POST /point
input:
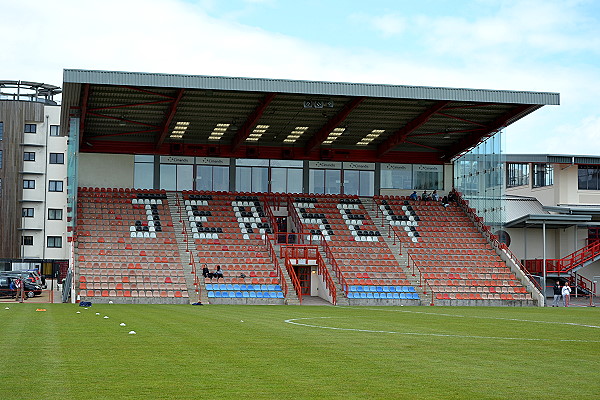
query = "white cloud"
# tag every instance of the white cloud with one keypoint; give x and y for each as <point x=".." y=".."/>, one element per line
<point x="387" y="25"/>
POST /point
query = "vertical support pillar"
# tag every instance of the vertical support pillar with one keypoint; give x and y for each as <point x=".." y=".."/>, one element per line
<point x="544" y="263"/>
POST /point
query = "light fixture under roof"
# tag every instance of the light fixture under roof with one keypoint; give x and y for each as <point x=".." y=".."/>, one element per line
<point x="375" y="133"/>
<point x="218" y="131"/>
<point x="295" y="134"/>
<point x="334" y="134"/>
<point x="179" y="129"/>
<point x="257" y="132"/>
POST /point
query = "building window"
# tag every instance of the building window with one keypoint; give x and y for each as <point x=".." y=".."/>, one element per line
<point x="0" y="159"/>
<point x="1" y="130"/>
<point x="543" y="175"/>
<point x="29" y="156"/>
<point x="28" y="212"/>
<point x="517" y="174"/>
<point x="55" y="213"/>
<point x="30" y="128"/>
<point x="27" y="240"/>
<point x="54" y="130"/>
<point x="588" y="177"/>
<point x="28" y="184"/>
<point x="57" y="158"/>
<point x="55" y="241"/>
<point x="55" y="186"/>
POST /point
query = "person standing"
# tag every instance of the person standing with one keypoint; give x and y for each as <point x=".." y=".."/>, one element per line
<point x="557" y="294"/>
<point x="566" y="294"/>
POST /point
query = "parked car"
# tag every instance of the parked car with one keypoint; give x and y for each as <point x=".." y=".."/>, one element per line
<point x="6" y="278"/>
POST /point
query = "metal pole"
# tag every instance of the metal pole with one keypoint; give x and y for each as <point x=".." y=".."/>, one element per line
<point x="544" y="263"/>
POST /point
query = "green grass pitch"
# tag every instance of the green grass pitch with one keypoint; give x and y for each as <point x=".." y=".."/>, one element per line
<point x="295" y="352"/>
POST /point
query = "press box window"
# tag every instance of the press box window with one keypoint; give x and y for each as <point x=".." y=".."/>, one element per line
<point x="29" y="156"/>
<point x="55" y="186"/>
<point x="57" y="158"/>
<point x="30" y="128"/>
<point x="27" y="212"/>
<point x="55" y="214"/>
<point x="55" y="241"/>
<point x="27" y="240"/>
<point x="28" y="184"/>
<point x="54" y="130"/>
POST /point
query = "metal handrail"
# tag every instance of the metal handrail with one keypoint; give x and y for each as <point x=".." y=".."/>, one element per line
<point x="329" y="283"/>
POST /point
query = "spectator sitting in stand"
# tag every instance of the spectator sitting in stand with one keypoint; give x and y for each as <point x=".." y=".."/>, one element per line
<point x="435" y="196"/>
<point x="414" y="196"/>
<point x="452" y="195"/>
<point x="425" y="196"/>
<point x="445" y="201"/>
<point x="218" y="272"/>
<point x="206" y="272"/>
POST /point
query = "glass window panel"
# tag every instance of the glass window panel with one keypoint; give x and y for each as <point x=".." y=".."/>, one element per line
<point x="333" y="181"/>
<point x="221" y="179"/>
<point x="367" y="183"/>
<point x="204" y="178"/>
<point x="168" y="176"/>
<point x="185" y="177"/>
<point x="243" y="179"/>
<point x="143" y="158"/>
<point x="316" y="181"/>
<point x="351" y="182"/>
<point x="287" y="163"/>
<point x="278" y="180"/>
<point x="54" y="130"/>
<point x="143" y="176"/>
<point x="260" y="179"/>
<point x="251" y="162"/>
<point x="294" y="180"/>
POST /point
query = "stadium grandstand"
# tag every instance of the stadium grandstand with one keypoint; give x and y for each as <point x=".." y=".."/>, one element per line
<point x="296" y="190"/>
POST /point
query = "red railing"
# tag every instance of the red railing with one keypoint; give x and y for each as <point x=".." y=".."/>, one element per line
<point x="574" y="260"/>
<point x="334" y="265"/>
<point x="275" y="260"/>
<point x="586" y="284"/>
<point x="294" y="278"/>
<point x="493" y="239"/>
<point x="301" y="251"/>
<point x="412" y="265"/>
<point x="329" y="283"/>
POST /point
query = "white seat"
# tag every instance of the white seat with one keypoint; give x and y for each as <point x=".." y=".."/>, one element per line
<point x="196" y="236"/>
<point x="193" y="202"/>
<point x="202" y="235"/>
<point x="151" y="229"/>
<point x="132" y="228"/>
<point x="194" y="230"/>
<point x="186" y="203"/>
<point x="140" y="234"/>
<point x="150" y="223"/>
<point x="203" y="219"/>
<point x="198" y="219"/>
<point x="146" y="234"/>
<point x="152" y="201"/>
<point x="150" y="218"/>
<point x="153" y="235"/>
<point x="246" y="236"/>
<point x="133" y="234"/>
<point x="134" y="201"/>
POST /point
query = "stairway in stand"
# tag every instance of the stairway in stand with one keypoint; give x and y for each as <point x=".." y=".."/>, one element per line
<point x="395" y="246"/>
<point x="182" y="245"/>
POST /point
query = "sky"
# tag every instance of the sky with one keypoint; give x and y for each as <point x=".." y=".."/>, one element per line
<point x="528" y="45"/>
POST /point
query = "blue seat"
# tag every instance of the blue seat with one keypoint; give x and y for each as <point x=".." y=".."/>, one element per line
<point x="271" y="288"/>
<point x="369" y="295"/>
<point x="363" y="295"/>
<point x="209" y="286"/>
<point x="217" y="294"/>
<point x="238" y="295"/>
<point x="403" y="296"/>
<point x="415" y="296"/>
<point x="236" y="287"/>
<point x="264" y="288"/>
<point x="412" y="289"/>
<point x="266" y="295"/>
<point x="245" y="295"/>
<point x="243" y="287"/>
<point x="279" y="295"/>
<point x="396" y="295"/>
<point x="249" y="287"/>
<point x="390" y="295"/>
<point x="379" y="288"/>
<point x="252" y="294"/>
<point x="259" y="295"/>
<point x="351" y="295"/>
<point x="376" y="295"/>
<point x="404" y="289"/>
<point x="352" y="288"/>
<point x="225" y="294"/>
<point x="211" y="293"/>
<point x="386" y="289"/>
<point x="359" y="288"/>
<point x="278" y="288"/>
<point x="222" y="286"/>
<point x="229" y="286"/>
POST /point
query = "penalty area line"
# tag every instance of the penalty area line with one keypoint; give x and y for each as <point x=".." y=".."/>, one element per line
<point x="293" y="321"/>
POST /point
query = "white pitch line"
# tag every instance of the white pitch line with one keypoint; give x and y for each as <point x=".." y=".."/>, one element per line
<point x="480" y="317"/>
<point x="292" y="321"/>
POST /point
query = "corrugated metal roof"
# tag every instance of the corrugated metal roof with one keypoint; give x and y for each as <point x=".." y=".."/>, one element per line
<point x="552" y="158"/>
<point x="517" y="207"/>
<point x="307" y="87"/>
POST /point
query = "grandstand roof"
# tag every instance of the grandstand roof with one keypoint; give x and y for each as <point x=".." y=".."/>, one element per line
<point x="131" y="112"/>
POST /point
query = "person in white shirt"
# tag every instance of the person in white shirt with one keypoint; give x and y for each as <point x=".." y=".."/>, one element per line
<point x="566" y="294"/>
